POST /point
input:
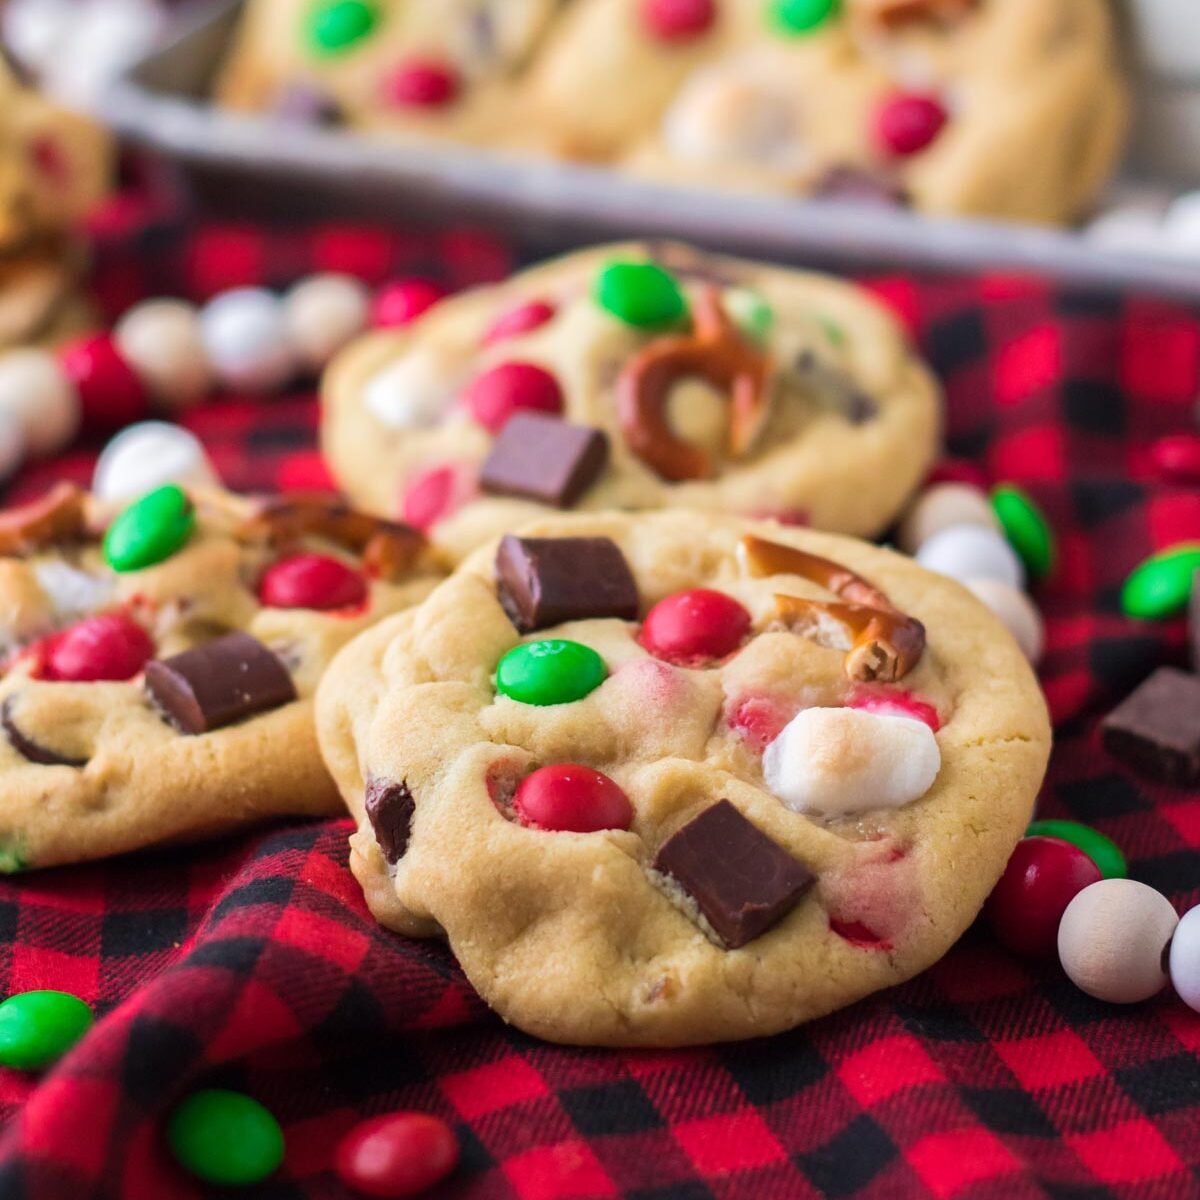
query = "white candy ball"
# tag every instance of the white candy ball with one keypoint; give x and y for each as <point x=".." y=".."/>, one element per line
<point x="246" y="339"/>
<point x="972" y="552"/>
<point x="12" y="444"/>
<point x="1112" y="937"/>
<point x="1185" y="958"/>
<point x="162" y="341"/>
<point x="146" y="456"/>
<point x="842" y="760"/>
<point x="323" y="314"/>
<point x="941" y="506"/>
<point x="35" y="390"/>
<point x="1017" y="613"/>
<point x="1181" y="225"/>
<point x="1134" y="228"/>
<point x="413" y="393"/>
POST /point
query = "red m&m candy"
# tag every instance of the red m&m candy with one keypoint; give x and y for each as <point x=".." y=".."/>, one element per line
<point x="403" y="301"/>
<point x="110" y="647"/>
<point x="422" y="83"/>
<point x="434" y="494"/>
<point x="678" y="20"/>
<point x="1043" y="876"/>
<point x="523" y="319"/>
<point x="888" y="702"/>
<point x="695" y="627"/>
<point x="398" y="1155"/>
<point x="495" y="395"/>
<point x="908" y="122"/>
<point x="570" y="798"/>
<point x="110" y="394"/>
<point x="311" y="581"/>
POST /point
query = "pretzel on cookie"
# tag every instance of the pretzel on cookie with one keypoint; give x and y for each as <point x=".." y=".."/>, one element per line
<point x="889" y="13"/>
<point x="882" y="644"/>
<point x="715" y="351"/>
<point x="61" y="515"/>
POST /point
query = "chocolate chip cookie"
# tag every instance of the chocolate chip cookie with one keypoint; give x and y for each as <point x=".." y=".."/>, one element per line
<point x="674" y="778"/>
<point x="635" y="377"/>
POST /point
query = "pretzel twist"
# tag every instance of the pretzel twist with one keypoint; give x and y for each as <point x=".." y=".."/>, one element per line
<point x="891" y="13"/>
<point x="60" y="515"/>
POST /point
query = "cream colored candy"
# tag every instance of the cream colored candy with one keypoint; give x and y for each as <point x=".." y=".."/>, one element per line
<point x="162" y="341"/>
<point x="146" y="456"/>
<point x="843" y="760"/>
<point x="1185" y="958"/>
<point x="1016" y="611"/>
<point x="941" y="506"/>
<point x="34" y="388"/>
<point x="323" y="313"/>
<point x="12" y="444"/>
<point x="413" y="393"/>
<point x="1112" y="937"/>
<point x="971" y="552"/>
<point x="246" y="339"/>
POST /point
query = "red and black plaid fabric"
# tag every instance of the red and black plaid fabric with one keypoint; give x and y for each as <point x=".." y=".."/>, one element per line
<point x="253" y="963"/>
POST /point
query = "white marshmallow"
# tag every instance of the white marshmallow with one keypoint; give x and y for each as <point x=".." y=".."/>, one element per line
<point x="73" y="593"/>
<point x="34" y="388"/>
<point x="246" y="338"/>
<point x="834" y="761"/>
<point x="1016" y="612"/>
<point x="162" y="341"/>
<point x="147" y="455"/>
<point x="12" y="444"/>
<point x="1185" y="958"/>
<point x="323" y="314"/>
<point x="972" y="552"/>
<point x="941" y="506"/>
<point x="412" y="393"/>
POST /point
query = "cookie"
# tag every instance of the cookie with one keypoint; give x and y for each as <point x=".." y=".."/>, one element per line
<point x="635" y="377"/>
<point x="39" y="293"/>
<point x="158" y="665"/>
<point x="785" y="776"/>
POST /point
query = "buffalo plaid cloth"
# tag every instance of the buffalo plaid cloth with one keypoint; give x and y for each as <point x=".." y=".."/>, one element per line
<point x="253" y="964"/>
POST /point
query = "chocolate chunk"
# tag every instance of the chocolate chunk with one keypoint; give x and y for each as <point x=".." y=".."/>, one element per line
<point x="544" y="581"/>
<point x="218" y="683"/>
<point x="303" y="104"/>
<point x="390" y="808"/>
<point x="1194" y="621"/>
<point x="1157" y="729"/>
<point x="860" y="187"/>
<point x="25" y="746"/>
<point x="742" y="882"/>
<point x="545" y="459"/>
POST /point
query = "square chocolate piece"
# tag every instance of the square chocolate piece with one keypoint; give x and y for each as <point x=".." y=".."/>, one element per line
<point x="742" y="881"/>
<point x="542" y="582"/>
<point x="544" y="458"/>
<point x="1157" y="729"/>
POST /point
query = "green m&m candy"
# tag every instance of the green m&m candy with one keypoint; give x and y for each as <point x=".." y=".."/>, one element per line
<point x="554" y="671"/>
<point x="1027" y="530"/>
<point x="1103" y="851"/>
<point x="801" y="16"/>
<point x="750" y="312"/>
<point x="640" y="294"/>
<point x="38" y="1028"/>
<point x="225" y="1138"/>
<point x="150" y="529"/>
<point x="335" y="25"/>
<point x="1162" y="585"/>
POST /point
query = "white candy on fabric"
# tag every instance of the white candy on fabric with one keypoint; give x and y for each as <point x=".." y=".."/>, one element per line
<point x="246" y="338"/>
<point x="12" y="444"/>
<point x="971" y="552"/>
<point x="1185" y="958"/>
<point x="323" y="313"/>
<point x="412" y="393"/>
<point x="148" y="455"/>
<point x="1016" y="612"/>
<point x="1181" y="225"/>
<point x="34" y="388"/>
<point x="1111" y="940"/>
<point x="1132" y="228"/>
<point x="941" y="506"/>
<point x="844" y="760"/>
<point x="162" y="341"/>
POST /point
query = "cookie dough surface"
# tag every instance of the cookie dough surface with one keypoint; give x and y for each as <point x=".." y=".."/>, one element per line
<point x="585" y="937"/>
<point x="851" y="415"/>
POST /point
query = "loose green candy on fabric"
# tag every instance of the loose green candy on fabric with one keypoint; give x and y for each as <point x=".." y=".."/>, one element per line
<point x="641" y="294"/>
<point x="801" y="16"/>
<point x="1027" y="530"/>
<point x="337" y="24"/>
<point x="1162" y="585"/>
<point x="1103" y="851"/>
<point x="150" y="530"/>
<point x="554" y="671"/>
<point x="38" y="1028"/>
<point x="225" y="1138"/>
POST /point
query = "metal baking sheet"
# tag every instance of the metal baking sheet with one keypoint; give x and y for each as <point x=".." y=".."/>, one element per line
<point x="256" y="165"/>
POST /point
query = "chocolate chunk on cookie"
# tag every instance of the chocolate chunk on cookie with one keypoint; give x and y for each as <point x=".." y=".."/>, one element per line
<point x="1157" y="729"/>
<point x="27" y="747"/>
<point x="546" y="581"/>
<point x="390" y="808"/>
<point x="218" y="684"/>
<point x="544" y="459"/>
<point x="741" y="881"/>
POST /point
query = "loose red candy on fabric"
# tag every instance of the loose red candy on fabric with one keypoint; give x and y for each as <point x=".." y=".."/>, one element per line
<point x="311" y="581"/>
<point x="494" y="396"/>
<point x="570" y="798"/>
<point x="433" y="495"/>
<point x="403" y="300"/>
<point x="523" y="319"/>
<point x="110" y="393"/>
<point x="959" y="470"/>
<point x="399" y="1155"/>
<point x="908" y="122"/>
<point x="110" y="647"/>
<point x="1176" y="459"/>
<point x="1043" y="876"/>
<point x="899" y="703"/>
<point x="695" y="627"/>
<point x="678" y="20"/>
<point x="422" y="83"/>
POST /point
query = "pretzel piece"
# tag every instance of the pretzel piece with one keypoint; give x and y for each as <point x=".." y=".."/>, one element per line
<point x="60" y="515"/>
<point x="892" y="13"/>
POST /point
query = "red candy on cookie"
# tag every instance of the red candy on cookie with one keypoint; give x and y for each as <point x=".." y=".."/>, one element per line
<point x="311" y="581"/>
<point x="110" y="647"/>
<point x="401" y="1154"/>
<point x="523" y="319"/>
<point x="422" y="83"/>
<point x="695" y="627"/>
<point x="403" y="300"/>
<point x="886" y="702"/>
<point x="678" y="20"/>
<point x="908" y="122"/>
<point x="433" y="495"/>
<point x="494" y="396"/>
<point x="570" y="798"/>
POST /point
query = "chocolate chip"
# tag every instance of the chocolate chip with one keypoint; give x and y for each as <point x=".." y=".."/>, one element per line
<point x="390" y="808"/>
<point x="544" y="459"/>
<point x="860" y="187"/>
<point x="1157" y="729"/>
<point x="25" y="746"/>
<point x="742" y="881"/>
<point x="304" y="104"/>
<point x="218" y="683"/>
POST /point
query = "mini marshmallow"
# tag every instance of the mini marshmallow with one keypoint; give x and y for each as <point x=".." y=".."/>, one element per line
<point x="323" y="313"/>
<point x="146" y="456"/>
<point x="412" y="393"/>
<point x="71" y="592"/>
<point x="834" y="761"/>
<point x="247" y="340"/>
<point x="34" y="388"/>
<point x="972" y="552"/>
